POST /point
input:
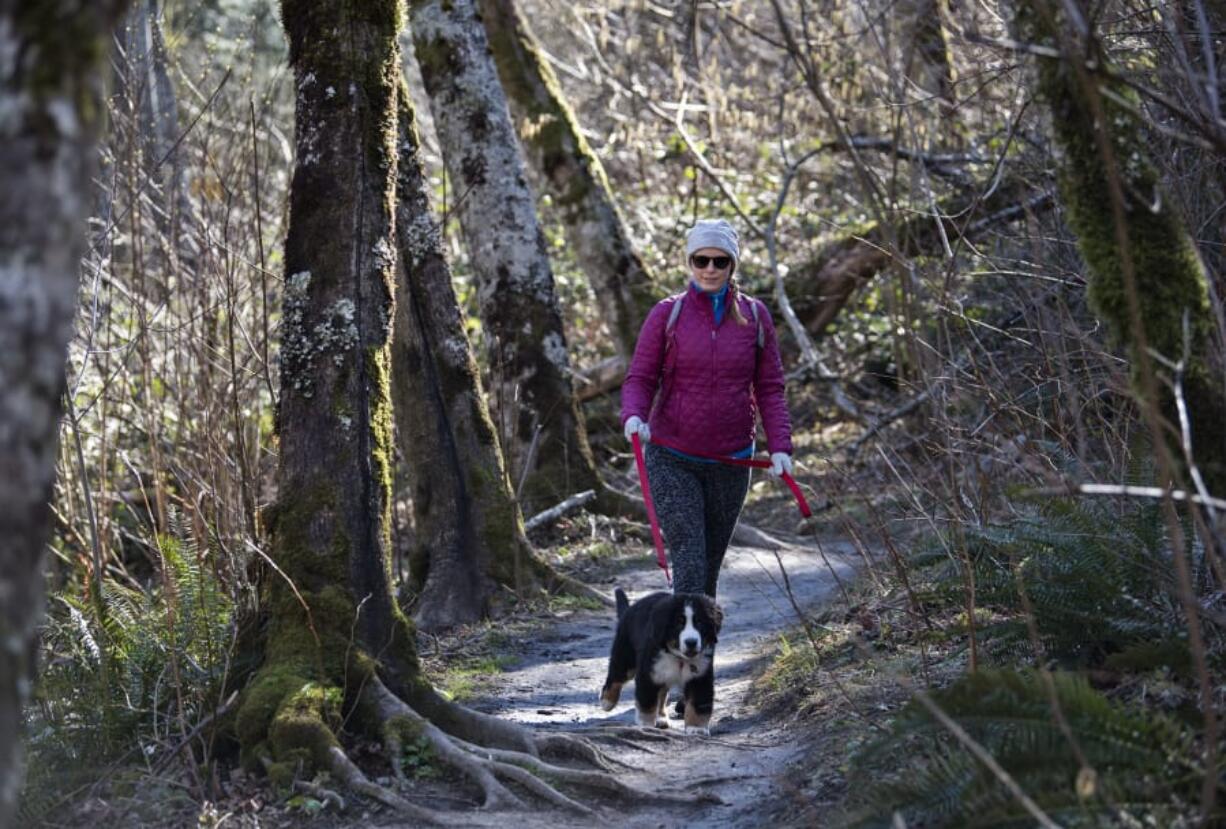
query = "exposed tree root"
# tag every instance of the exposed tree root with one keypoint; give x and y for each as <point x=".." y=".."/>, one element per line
<point x="344" y="770"/>
<point x="320" y="793"/>
<point x="562" y="583"/>
<point x="576" y="748"/>
<point x="487" y="766"/>
<point x="582" y="777"/>
<point x="395" y="714"/>
<point x="626" y="742"/>
<point x="473" y="726"/>
<point x="636" y="732"/>
<point x="292" y="725"/>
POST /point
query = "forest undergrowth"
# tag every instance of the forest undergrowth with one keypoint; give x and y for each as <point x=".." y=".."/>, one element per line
<point x="1035" y="633"/>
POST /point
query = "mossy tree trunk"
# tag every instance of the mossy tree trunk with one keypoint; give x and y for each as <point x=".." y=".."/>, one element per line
<point x="557" y="149"/>
<point x="50" y="117"/>
<point x="529" y="363"/>
<point x="1143" y="272"/>
<point x="331" y="522"/>
<point x="470" y="533"/>
<point x="337" y="648"/>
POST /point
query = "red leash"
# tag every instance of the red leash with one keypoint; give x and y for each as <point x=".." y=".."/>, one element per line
<point x="801" y="503"/>
<point x="661" y="559"/>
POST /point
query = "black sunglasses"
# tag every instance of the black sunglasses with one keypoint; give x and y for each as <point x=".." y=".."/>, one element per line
<point x="720" y="262"/>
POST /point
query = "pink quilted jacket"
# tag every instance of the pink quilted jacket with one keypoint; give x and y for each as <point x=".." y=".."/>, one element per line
<point x="699" y="394"/>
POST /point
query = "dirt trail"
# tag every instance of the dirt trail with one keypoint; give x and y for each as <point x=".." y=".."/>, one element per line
<point x="745" y="760"/>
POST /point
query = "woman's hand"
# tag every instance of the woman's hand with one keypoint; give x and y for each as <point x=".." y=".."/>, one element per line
<point x="634" y="424"/>
<point x="780" y="462"/>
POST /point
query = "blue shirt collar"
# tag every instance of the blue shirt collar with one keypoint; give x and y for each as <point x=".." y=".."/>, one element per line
<point x="718" y="299"/>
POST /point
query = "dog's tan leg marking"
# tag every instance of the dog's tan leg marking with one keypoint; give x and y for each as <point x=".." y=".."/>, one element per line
<point x="609" y="696"/>
<point x="696" y="723"/>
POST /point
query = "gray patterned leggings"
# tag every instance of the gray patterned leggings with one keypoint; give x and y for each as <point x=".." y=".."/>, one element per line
<point x="698" y="505"/>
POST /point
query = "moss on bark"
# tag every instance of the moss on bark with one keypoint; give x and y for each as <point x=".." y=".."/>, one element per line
<point x="1090" y="112"/>
<point x="555" y="145"/>
<point x="515" y="288"/>
<point x="332" y="619"/>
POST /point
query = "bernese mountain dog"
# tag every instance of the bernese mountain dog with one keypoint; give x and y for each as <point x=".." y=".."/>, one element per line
<point x="665" y="641"/>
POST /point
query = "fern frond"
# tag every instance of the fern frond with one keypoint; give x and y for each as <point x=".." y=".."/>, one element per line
<point x="1140" y="758"/>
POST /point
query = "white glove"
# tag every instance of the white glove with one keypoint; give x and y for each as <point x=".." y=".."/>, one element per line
<point x="634" y="423"/>
<point x="780" y="462"/>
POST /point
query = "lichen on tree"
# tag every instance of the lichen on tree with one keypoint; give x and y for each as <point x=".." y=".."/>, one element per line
<point x="337" y="648"/>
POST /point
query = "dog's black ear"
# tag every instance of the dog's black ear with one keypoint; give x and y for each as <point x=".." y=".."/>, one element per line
<point x="715" y="612"/>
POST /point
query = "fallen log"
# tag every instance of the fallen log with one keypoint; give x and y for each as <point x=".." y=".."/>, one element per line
<point x="821" y="287"/>
<point x="600" y="378"/>
<point x="556" y="512"/>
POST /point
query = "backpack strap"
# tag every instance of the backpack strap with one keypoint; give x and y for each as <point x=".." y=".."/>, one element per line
<point x="757" y="320"/>
<point x="672" y="317"/>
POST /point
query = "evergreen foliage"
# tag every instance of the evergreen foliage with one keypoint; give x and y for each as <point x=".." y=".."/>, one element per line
<point x="1138" y="765"/>
<point x="130" y="673"/>
<point x="1097" y="576"/>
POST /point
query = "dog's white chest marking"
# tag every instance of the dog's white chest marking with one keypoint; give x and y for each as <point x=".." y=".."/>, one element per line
<point x="671" y="670"/>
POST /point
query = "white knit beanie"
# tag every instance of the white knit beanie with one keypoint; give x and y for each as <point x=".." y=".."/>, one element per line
<point x="713" y="233"/>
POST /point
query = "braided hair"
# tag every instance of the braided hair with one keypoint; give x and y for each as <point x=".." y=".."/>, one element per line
<point x="734" y="293"/>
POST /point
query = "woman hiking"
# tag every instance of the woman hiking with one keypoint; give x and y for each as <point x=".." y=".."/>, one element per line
<point x="705" y="362"/>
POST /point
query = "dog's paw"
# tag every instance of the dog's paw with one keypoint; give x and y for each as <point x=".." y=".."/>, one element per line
<point x="697" y="731"/>
<point x="609" y="695"/>
<point x="661" y="722"/>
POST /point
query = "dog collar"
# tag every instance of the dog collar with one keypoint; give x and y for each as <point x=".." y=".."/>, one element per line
<point x="692" y="662"/>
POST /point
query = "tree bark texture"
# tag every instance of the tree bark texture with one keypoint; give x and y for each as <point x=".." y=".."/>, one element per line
<point x="1102" y="141"/>
<point x="143" y="83"/>
<point x="333" y="618"/>
<point x="470" y="533"/>
<point x="529" y="363"/>
<point x="557" y="149"/>
<point x="50" y="116"/>
<point x="926" y="59"/>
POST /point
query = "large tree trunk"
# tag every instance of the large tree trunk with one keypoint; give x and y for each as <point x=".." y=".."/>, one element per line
<point x="333" y="609"/>
<point x="469" y="530"/>
<point x="336" y="641"/>
<point x="50" y="112"/>
<point x="338" y="651"/>
<point x="1144" y="275"/>
<point x="529" y="363"/>
<point x="557" y="149"/>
